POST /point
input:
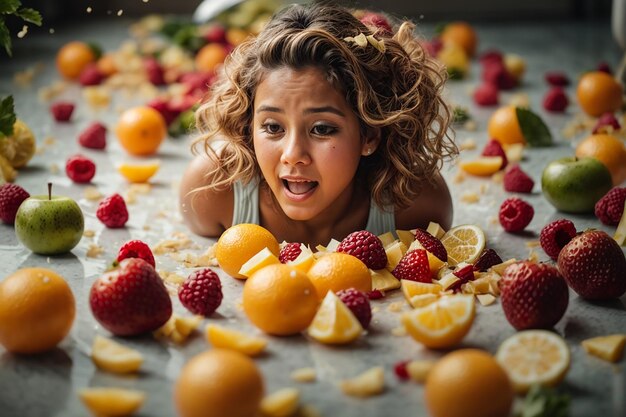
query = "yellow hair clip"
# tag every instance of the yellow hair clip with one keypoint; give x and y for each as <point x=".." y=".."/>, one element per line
<point x="362" y="40"/>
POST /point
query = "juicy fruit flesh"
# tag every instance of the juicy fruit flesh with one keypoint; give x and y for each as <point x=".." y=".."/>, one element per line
<point x="221" y="337"/>
<point x="114" y="357"/>
<point x="463" y="243"/>
<point x="334" y="323"/>
<point x="112" y="402"/>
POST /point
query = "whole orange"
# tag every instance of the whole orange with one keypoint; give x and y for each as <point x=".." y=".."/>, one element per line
<point x="106" y="64"/>
<point x="339" y="271"/>
<point x="461" y="34"/>
<point x="141" y="130"/>
<point x="609" y="150"/>
<point x="73" y="57"/>
<point x="504" y="126"/>
<point x="241" y="242"/>
<point x="210" y="56"/>
<point x="280" y="300"/>
<point x="37" y="309"/>
<point x="468" y="383"/>
<point x="219" y="383"/>
<point x="598" y="93"/>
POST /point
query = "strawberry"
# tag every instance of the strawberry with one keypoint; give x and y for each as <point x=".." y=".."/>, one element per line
<point x="358" y="303"/>
<point x="365" y="246"/>
<point x="289" y="252"/>
<point x="130" y="299"/>
<point x="201" y="293"/>
<point x="112" y="211"/>
<point x="486" y="95"/>
<point x="555" y="236"/>
<point x="517" y="181"/>
<point x="464" y="273"/>
<point x="487" y="259"/>
<point x="533" y="296"/>
<point x="136" y="249"/>
<point x="555" y="100"/>
<point x="515" y="214"/>
<point x="594" y="266"/>
<point x="62" y="111"/>
<point x="94" y="137"/>
<point x="609" y="208"/>
<point x="414" y="267"/>
<point x="11" y="196"/>
<point x="494" y="148"/>
<point x="557" y="79"/>
<point x="431" y="244"/>
<point x="80" y="169"/>
<point x="605" y="123"/>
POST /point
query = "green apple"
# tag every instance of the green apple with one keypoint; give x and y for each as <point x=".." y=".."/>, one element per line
<point x="49" y="225"/>
<point x="575" y="185"/>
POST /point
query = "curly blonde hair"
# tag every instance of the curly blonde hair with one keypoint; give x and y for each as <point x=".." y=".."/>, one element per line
<point x="396" y="91"/>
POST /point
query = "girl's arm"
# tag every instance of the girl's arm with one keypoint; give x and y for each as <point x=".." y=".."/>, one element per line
<point x="434" y="204"/>
<point x="206" y="213"/>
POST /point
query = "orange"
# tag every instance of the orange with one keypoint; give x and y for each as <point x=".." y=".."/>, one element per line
<point x="609" y="150"/>
<point x="241" y="242"/>
<point x="504" y="127"/>
<point x="73" y="57"/>
<point x="210" y="56"/>
<point x="219" y="383"/>
<point x="141" y="130"/>
<point x="461" y="34"/>
<point x="280" y="300"/>
<point x="468" y="383"/>
<point x="339" y="271"/>
<point x="106" y="64"/>
<point x="37" y="309"/>
<point x="598" y="93"/>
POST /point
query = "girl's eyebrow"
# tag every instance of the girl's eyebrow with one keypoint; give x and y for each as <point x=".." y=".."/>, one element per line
<point x="269" y="109"/>
<point x="313" y="110"/>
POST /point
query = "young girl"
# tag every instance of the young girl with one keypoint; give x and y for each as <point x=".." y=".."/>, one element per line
<point x="321" y="126"/>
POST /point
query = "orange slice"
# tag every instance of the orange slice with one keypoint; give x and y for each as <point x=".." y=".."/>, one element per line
<point x="442" y="323"/>
<point x="221" y="337"/>
<point x="534" y="357"/>
<point x="114" y="357"/>
<point x="112" y="402"/>
<point x="334" y="323"/>
<point x="139" y="172"/>
<point x="482" y="166"/>
<point x="464" y="243"/>
<point x="610" y="348"/>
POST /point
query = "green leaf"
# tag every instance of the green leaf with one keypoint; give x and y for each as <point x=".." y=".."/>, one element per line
<point x="5" y="37"/>
<point x="95" y="48"/>
<point x="9" y="6"/>
<point x="533" y="128"/>
<point x="29" y="15"/>
<point x="545" y="402"/>
<point x="7" y="116"/>
<point x="460" y="114"/>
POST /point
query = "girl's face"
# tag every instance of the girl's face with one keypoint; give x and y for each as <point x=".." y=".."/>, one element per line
<point x="307" y="141"/>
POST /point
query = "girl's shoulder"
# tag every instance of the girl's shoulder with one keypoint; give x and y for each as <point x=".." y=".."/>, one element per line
<point x="433" y="204"/>
<point x="206" y="212"/>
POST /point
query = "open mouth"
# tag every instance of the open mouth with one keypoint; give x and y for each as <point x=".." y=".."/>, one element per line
<point x="300" y="187"/>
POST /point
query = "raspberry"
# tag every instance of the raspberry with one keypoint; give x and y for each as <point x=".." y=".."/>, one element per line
<point x="80" y="169"/>
<point x="91" y="75"/>
<point x="604" y="122"/>
<point x="486" y="95"/>
<point x="289" y="252"/>
<point x="487" y="259"/>
<point x="358" y="303"/>
<point x="375" y="294"/>
<point x="62" y="111"/>
<point x="491" y="57"/>
<point x="431" y="244"/>
<point x="11" y="196"/>
<point x="365" y="246"/>
<point x="162" y="106"/>
<point x="555" y="235"/>
<point x="400" y="370"/>
<point x="196" y="82"/>
<point x="517" y="181"/>
<point x="494" y="148"/>
<point x="609" y="209"/>
<point x="555" y="100"/>
<point x="94" y="137"/>
<point x="497" y="74"/>
<point x="112" y="211"/>
<point x="154" y="71"/>
<point x="136" y="249"/>
<point x="201" y="293"/>
<point x="557" y="79"/>
<point x="414" y="267"/>
<point x="515" y="214"/>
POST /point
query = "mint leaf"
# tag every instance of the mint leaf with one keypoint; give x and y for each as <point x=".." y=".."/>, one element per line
<point x="533" y="128"/>
<point x="5" y="37"/>
<point x="545" y="402"/>
<point x="9" y="6"/>
<point x="7" y="116"/>
<point x="29" y="15"/>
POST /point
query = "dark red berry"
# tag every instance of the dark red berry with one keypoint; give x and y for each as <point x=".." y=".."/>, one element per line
<point x="414" y="267"/>
<point x="494" y="148"/>
<point x="289" y="252"/>
<point x="487" y="259"/>
<point x="136" y="249"/>
<point x="554" y="236"/>
<point x="367" y="247"/>
<point x="62" y="111"/>
<point x="517" y="181"/>
<point x="358" y="303"/>
<point x="555" y="100"/>
<point x="94" y="137"/>
<point x="11" y="196"/>
<point x="80" y="169"/>
<point x="201" y="293"/>
<point x="610" y="208"/>
<point x="515" y="214"/>
<point x="112" y="211"/>
<point x="431" y="244"/>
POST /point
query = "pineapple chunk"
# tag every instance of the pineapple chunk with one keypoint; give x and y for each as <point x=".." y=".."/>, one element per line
<point x="221" y="337"/>
<point x="499" y="268"/>
<point x="367" y="384"/>
<point x="112" y="402"/>
<point x="620" y="232"/>
<point x="486" y="299"/>
<point x="395" y="252"/>
<point x="435" y="230"/>
<point x="114" y="357"/>
<point x="448" y="280"/>
<point x="282" y="403"/>
<point x="387" y="239"/>
<point x="406" y="236"/>
<point x="610" y="348"/>
<point x="418" y="370"/>
<point x="383" y="280"/>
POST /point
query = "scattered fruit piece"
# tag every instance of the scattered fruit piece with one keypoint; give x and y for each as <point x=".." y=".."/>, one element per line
<point x="555" y="235"/>
<point x="607" y="123"/>
<point x="431" y="244"/>
<point x="221" y="337"/>
<point x="304" y="375"/>
<point x="201" y="293"/>
<point x="418" y="370"/>
<point x="136" y="249"/>
<point x="367" y="384"/>
<point x="598" y="93"/>
<point x="487" y="259"/>
<point x="260" y="260"/>
<point x="359" y="305"/>
<point x="112" y="211"/>
<point x="464" y="243"/>
<point x="610" y="208"/>
<point x="517" y="181"/>
<point x="94" y="137"/>
<point x="555" y="100"/>
<point x="534" y="357"/>
<point x="515" y="214"/>
<point x="557" y="79"/>
<point x="90" y="75"/>
<point x="365" y="246"/>
<point x="384" y="280"/>
<point x="289" y="252"/>
<point x="610" y="348"/>
<point x="414" y="266"/>
<point x="114" y="357"/>
<point x="80" y="169"/>
<point x="494" y="148"/>
<point x="620" y="232"/>
<point x="482" y="166"/>
<point x="62" y="111"/>
<point x="486" y="94"/>
<point x="334" y="322"/>
<point x="11" y="196"/>
<point x="139" y="172"/>
<point x="112" y="402"/>
<point x="282" y="403"/>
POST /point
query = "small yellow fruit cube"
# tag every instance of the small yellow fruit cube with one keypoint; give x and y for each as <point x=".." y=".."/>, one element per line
<point x="386" y="239"/>
<point x="304" y="375"/>
<point x="383" y="280"/>
<point x="418" y="370"/>
<point x="436" y="230"/>
<point x="406" y="236"/>
<point x="263" y="258"/>
<point x="610" y="348"/>
<point x="395" y="252"/>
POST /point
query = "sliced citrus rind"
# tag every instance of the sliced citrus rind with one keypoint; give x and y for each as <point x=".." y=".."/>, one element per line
<point x="334" y="323"/>
<point x="139" y="172"/>
<point x="112" y="402"/>
<point x="464" y="243"/>
<point x="221" y="337"/>
<point x="534" y="357"/>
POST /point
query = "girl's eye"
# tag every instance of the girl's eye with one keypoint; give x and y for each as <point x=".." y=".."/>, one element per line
<point x="324" y="130"/>
<point x="271" y="128"/>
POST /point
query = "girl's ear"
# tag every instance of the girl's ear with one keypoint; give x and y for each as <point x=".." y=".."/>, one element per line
<point x="371" y="142"/>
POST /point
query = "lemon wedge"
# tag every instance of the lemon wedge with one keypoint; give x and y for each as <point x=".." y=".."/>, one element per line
<point x="138" y="172"/>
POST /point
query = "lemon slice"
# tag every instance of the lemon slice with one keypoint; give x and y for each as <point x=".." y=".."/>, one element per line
<point x="262" y="259"/>
<point x="334" y="323"/>
<point x="282" y="403"/>
<point x="610" y="348"/>
<point x="483" y="166"/>
<point x="442" y="323"/>
<point x="464" y="243"/>
<point x="112" y="402"/>
<point x="114" y="357"/>
<point x="139" y="172"/>
<point x="534" y="357"/>
<point x="413" y="288"/>
<point x="220" y="337"/>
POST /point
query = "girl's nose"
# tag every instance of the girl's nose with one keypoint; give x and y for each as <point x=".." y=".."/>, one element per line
<point x="295" y="151"/>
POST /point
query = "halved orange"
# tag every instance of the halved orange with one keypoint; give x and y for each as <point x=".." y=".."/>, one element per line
<point x="482" y="166"/>
<point x="139" y="172"/>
